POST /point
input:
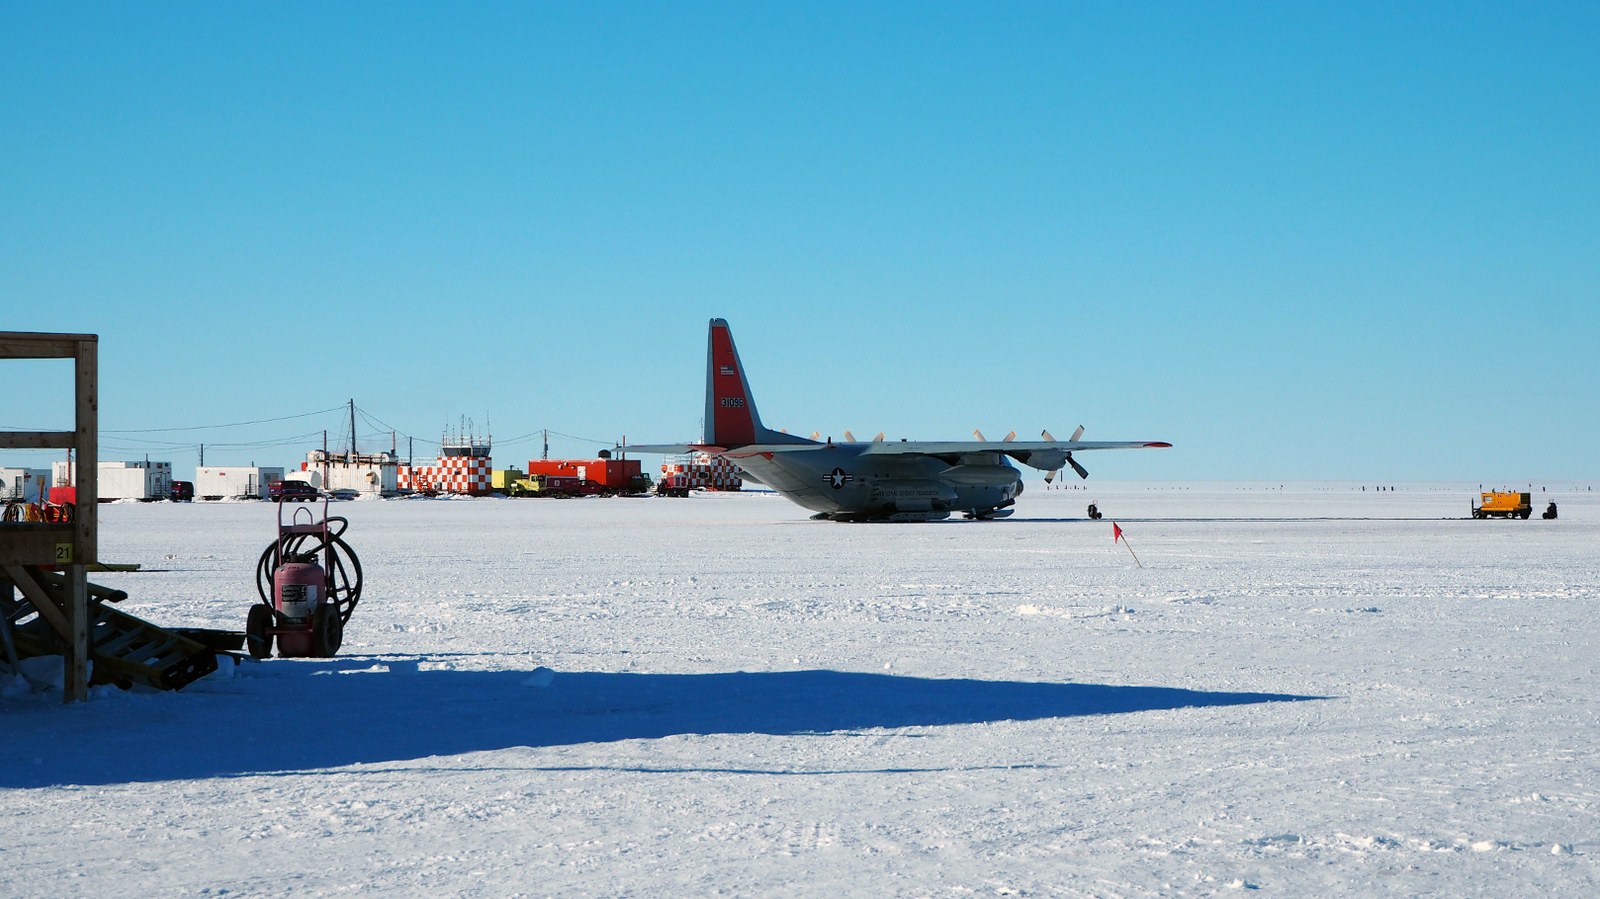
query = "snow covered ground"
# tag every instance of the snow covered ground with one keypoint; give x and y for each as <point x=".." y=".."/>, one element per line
<point x="1305" y="691"/>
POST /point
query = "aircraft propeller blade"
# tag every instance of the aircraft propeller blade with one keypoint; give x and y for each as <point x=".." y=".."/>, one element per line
<point x="879" y="438"/>
<point x="979" y="435"/>
<point x="816" y="435"/>
<point x="1082" y="472"/>
<point x="1009" y="437"/>
<point x="849" y="437"/>
<point x="1049" y="476"/>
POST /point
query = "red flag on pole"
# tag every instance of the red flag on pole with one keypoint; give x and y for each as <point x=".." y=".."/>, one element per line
<point x="1116" y="534"/>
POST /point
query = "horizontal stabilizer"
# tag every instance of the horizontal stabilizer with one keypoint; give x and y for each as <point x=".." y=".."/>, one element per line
<point x="767" y="449"/>
<point x="667" y="449"/>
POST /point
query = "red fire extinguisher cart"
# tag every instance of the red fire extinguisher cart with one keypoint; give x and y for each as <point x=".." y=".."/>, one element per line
<point x="309" y="581"/>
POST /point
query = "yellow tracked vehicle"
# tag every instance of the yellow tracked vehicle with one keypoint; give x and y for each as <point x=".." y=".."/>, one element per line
<point x="1503" y="504"/>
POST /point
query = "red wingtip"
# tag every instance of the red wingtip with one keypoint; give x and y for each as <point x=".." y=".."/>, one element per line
<point x="1159" y="444"/>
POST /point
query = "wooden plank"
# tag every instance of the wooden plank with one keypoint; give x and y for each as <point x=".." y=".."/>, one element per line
<point x="39" y="345"/>
<point x="86" y="521"/>
<point x="38" y="439"/>
<point x="35" y="543"/>
<point x="39" y="598"/>
<point x="56" y="582"/>
<point x="115" y="646"/>
<point x="11" y="660"/>
<point x="76" y="685"/>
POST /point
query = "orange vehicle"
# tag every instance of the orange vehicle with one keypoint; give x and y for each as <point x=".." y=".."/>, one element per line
<point x="604" y="476"/>
<point x="1503" y="504"/>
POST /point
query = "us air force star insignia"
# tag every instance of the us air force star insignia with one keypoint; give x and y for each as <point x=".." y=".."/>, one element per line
<point x="837" y="478"/>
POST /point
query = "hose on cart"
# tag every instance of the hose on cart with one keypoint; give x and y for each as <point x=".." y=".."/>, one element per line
<point x="344" y="576"/>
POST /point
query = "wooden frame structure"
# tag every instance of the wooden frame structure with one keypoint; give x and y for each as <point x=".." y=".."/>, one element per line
<point x="70" y="546"/>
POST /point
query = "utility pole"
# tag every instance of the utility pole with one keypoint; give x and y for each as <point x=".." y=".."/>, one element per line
<point x="351" y="459"/>
<point x="546" y="444"/>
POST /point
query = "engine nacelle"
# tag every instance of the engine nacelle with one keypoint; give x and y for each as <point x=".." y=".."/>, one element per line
<point x="1046" y="460"/>
<point x="980" y="475"/>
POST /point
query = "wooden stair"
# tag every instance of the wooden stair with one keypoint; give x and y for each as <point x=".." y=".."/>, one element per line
<point x="125" y="649"/>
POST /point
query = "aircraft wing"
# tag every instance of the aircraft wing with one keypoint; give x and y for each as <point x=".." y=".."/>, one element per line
<point x="1015" y="448"/>
<point x="1010" y="447"/>
<point x="1049" y="456"/>
<point x="1046" y="455"/>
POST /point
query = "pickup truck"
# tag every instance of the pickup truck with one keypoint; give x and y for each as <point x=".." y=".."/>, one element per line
<point x="292" y="491"/>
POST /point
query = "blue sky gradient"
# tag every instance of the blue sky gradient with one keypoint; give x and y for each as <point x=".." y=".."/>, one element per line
<point x="1296" y="240"/>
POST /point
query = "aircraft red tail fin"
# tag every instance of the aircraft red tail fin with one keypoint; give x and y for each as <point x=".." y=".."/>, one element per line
<point x="731" y="416"/>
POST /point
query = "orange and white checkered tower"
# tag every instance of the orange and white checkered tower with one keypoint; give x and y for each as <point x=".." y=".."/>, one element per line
<point x="463" y="467"/>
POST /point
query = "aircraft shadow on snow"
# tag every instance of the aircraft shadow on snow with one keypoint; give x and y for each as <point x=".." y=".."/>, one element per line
<point x="299" y="717"/>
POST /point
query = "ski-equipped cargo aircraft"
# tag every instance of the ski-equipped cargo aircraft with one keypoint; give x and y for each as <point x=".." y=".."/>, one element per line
<point x="874" y="481"/>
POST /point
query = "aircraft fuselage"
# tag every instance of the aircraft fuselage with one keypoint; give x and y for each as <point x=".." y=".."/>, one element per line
<point x="847" y="482"/>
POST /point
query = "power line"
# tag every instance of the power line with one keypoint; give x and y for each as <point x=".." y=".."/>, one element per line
<point x="583" y="439"/>
<point x="134" y="443"/>
<point x="121" y="440"/>
<point x="236" y="424"/>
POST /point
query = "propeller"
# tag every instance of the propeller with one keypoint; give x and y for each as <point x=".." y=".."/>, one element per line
<point x="849" y="437"/>
<point x="1082" y="472"/>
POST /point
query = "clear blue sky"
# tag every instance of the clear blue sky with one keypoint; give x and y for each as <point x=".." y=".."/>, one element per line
<point x="1297" y="240"/>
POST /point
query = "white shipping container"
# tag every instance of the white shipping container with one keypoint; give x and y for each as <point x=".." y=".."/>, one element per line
<point x="234" y="481"/>
<point x="23" y="484"/>
<point x="135" y="480"/>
